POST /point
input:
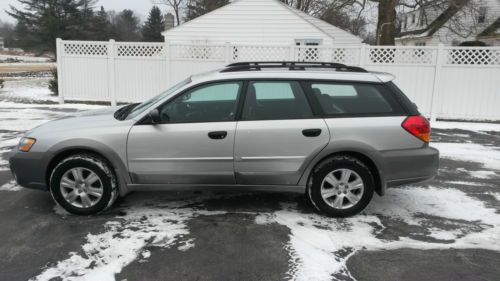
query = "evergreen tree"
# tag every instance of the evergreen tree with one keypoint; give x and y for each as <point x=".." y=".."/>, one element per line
<point x="153" y="27"/>
<point x="100" y="28"/>
<point x="196" y="8"/>
<point x="127" y="27"/>
<point x="41" y="22"/>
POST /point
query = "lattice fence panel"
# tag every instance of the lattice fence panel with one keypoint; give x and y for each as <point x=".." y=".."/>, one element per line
<point x="140" y="50"/>
<point x="198" y="52"/>
<point x="85" y="49"/>
<point x="310" y="54"/>
<point x="260" y="53"/>
<point x="343" y="55"/>
<point x="401" y="56"/>
<point x="483" y="56"/>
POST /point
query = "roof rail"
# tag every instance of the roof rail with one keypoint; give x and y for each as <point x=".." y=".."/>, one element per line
<point x="291" y="65"/>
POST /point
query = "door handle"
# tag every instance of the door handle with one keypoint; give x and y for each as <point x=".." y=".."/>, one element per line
<point x="310" y="133"/>
<point x="219" y="135"/>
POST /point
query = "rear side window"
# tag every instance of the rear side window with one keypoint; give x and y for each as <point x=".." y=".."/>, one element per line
<point x="268" y="100"/>
<point x="355" y="99"/>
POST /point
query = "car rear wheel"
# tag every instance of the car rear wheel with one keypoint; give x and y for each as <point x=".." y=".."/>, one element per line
<point x="83" y="184"/>
<point x="342" y="186"/>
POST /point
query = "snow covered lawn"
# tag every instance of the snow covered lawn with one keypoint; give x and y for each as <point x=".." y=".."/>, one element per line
<point x="460" y="209"/>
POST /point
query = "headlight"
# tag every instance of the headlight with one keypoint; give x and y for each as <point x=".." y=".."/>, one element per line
<point x="25" y="144"/>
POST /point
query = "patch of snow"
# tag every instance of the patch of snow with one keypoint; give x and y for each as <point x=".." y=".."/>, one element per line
<point x="146" y="254"/>
<point x="320" y="246"/>
<point x="470" y="183"/>
<point x="31" y="89"/>
<point x="11" y="186"/>
<point x="467" y="126"/>
<point x="496" y="195"/>
<point x="123" y="241"/>
<point x="48" y="107"/>
<point x="186" y="245"/>
<point x="483" y="174"/>
<point x="24" y="58"/>
<point x="489" y="157"/>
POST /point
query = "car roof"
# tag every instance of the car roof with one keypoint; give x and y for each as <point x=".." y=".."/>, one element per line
<point x="374" y="77"/>
<point x="293" y="70"/>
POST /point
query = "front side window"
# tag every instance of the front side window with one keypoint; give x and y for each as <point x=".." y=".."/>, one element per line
<point x="269" y="100"/>
<point x="355" y="99"/>
<point x="208" y="103"/>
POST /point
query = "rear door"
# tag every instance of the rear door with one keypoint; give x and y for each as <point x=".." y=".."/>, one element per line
<point x="277" y="135"/>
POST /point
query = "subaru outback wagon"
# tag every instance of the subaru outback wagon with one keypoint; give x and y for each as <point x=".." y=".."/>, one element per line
<point x="337" y="133"/>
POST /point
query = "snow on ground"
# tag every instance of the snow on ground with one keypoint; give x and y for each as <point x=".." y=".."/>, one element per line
<point x="24" y="58"/>
<point x="10" y="186"/>
<point x="488" y="156"/>
<point x="123" y="241"/>
<point x="321" y="246"/>
<point x="467" y="126"/>
<point x="27" y="88"/>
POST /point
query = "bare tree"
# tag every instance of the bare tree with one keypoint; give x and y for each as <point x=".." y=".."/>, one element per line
<point x="176" y="5"/>
<point x="433" y="14"/>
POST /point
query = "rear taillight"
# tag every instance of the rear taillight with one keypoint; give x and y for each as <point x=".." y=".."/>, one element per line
<point x="418" y="126"/>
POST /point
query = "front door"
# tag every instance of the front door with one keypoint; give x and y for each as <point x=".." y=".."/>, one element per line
<point x="278" y="134"/>
<point x="194" y="142"/>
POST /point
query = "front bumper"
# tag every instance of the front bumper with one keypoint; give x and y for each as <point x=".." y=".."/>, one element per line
<point x="410" y="166"/>
<point x="28" y="169"/>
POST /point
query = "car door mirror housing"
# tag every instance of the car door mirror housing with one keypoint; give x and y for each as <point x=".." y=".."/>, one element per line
<point x="154" y="115"/>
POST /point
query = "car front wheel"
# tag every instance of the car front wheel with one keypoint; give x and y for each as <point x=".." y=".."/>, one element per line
<point x="342" y="186"/>
<point x="83" y="184"/>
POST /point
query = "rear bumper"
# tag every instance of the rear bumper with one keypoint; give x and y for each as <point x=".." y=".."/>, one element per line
<point x="28" y="169"/>
<point x="410" y="166"/>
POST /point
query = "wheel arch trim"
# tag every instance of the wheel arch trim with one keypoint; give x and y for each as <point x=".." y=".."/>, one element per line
<point x="74" y="146"/>
<point x="368" y="154"/>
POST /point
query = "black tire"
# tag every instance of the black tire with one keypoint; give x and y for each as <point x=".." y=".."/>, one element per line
<point x="330" y="165"/>
<point x="88" y="162"/>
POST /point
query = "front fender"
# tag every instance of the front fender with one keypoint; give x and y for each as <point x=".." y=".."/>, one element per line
<point x="68" y="146"/>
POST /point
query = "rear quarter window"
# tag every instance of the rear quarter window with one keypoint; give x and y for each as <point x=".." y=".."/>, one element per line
<point x="355" y="99"/>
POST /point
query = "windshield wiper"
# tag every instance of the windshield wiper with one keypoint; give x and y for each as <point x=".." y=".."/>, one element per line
<point x="123" y="112"/>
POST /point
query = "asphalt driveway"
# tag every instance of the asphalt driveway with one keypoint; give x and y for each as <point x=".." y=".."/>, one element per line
<point x="446" y="229"/>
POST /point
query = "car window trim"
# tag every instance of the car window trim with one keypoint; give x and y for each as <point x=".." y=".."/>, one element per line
<point x="308" y="87"/>
<point x="299" y="81"/>
<point x="145" y="119"/>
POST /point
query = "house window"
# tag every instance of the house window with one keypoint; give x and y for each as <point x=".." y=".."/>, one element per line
<point x="413" y="17"/>
<point x="405" y="22"/>
<point x="420" y="44"/>
<point x="308" y="42"/>
<point x="482" y="15"/>
<point x="421" y="18"/>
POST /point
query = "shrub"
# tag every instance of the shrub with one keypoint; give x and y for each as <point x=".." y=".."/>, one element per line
<point x="53" y="87"/>
<point x="1" y="83"/>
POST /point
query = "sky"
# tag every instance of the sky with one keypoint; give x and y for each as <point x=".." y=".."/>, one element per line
<point x="142" y="7"/>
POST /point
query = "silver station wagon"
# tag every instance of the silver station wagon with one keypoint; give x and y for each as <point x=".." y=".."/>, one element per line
<point x="337" y="133"/>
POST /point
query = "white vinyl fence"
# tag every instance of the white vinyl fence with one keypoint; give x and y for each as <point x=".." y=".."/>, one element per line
<point x="445" y="82"/>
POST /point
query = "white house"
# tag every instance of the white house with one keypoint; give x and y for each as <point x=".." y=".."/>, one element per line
<point x="259" y="22"/>
<point x="464" y="21"/>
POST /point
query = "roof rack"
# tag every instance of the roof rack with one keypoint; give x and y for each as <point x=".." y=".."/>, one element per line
<point x="291" y="65"/>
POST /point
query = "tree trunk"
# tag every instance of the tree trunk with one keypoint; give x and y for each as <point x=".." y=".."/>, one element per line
<point x="386" y="26"/>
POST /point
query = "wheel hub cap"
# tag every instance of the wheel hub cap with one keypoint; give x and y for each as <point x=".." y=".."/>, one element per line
<point x="342" y="188"/>
<point x="81" y="187"/>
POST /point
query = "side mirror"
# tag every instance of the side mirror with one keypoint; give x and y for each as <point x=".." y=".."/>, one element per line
<point x="155" y="116"/>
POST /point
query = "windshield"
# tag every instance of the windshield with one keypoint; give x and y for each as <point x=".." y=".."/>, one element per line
<point x="145" y="105"/>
